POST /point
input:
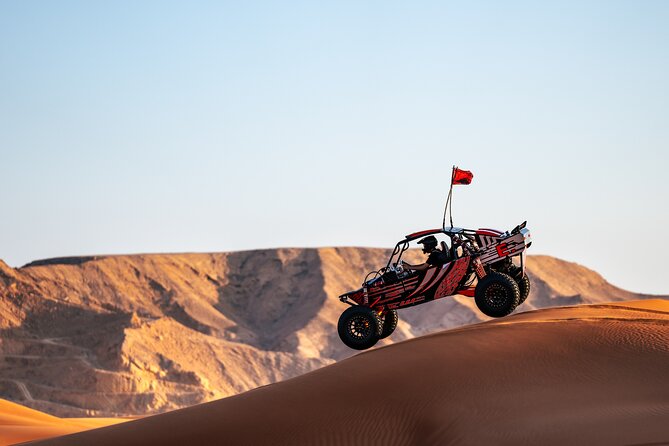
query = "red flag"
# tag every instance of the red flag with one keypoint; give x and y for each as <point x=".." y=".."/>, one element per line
<point x="462" y="176"/>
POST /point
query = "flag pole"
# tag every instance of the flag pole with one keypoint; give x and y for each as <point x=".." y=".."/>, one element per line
<point x="449" y="201"/>
<point x="450" y="208"/>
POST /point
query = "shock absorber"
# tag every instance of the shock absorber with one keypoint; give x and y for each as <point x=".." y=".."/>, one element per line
<point x="478" y="267"/>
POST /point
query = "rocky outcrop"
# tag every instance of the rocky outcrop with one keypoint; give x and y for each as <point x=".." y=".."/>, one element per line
<point x="140" y="334"/>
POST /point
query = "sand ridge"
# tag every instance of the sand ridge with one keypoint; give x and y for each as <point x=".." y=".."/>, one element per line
<point x="19" y="424"/>
<point x="572" y="375"/>
<point x="155" y="332"/>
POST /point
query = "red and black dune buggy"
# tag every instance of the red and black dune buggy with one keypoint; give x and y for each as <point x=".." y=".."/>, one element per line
<point x="486" y="264"/>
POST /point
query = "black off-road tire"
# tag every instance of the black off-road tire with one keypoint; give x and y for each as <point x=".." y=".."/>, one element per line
<point x="389" y="323"/>
<point x="523" y="282"/>
<point x="497" y="294"/>
<point x="359" y="327"/>
<point x="524" y="287"/>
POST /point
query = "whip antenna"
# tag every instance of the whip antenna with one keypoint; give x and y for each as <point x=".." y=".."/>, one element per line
<point x="448" y="201"/>
<point x="458" y="176"/>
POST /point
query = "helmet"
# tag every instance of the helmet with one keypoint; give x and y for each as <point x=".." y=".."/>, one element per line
<point x="429" y="243"/>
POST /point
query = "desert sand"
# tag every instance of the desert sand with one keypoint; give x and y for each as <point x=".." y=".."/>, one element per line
<point x="129" y="335"/>
<point x="593" y="374"/>
<point x="19" y="424"/>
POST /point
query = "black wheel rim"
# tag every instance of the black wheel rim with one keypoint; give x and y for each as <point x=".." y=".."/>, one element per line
<point x="496" y="296"/>
<point x="359" y="327"/>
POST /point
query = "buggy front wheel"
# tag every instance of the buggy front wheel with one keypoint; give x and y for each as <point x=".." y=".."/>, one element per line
<point x="389" y="323"/>
<point x="359" y="327"/>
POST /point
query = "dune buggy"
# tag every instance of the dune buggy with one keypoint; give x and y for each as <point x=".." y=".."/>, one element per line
<point x="485" y="264"/>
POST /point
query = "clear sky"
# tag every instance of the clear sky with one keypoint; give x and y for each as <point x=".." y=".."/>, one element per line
<point x="164" y="126"/>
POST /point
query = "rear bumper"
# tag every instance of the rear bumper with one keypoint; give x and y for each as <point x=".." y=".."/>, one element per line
<point x="511" y="246"/>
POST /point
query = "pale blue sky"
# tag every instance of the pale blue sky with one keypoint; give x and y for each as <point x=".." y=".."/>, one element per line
<point x="131" y="127"/>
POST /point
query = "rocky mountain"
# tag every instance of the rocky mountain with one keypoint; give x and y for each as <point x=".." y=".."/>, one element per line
<point x="576" y="375"/>
<point x="140" y="334"/>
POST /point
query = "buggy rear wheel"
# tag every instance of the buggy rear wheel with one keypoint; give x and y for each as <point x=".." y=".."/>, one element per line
<point x="359" y="327"/>
<point x="497" y="294"/>
<point x="523" y="283"/>
<point x="389" y="323"/>
<point x="524" y="286"/>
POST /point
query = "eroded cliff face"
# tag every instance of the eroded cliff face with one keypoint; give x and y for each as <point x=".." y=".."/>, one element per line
<point x="140" y="334"/>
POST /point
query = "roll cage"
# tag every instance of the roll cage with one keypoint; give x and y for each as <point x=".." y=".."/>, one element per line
<point x="459" y="236"/>
<point x="403" y="245"/>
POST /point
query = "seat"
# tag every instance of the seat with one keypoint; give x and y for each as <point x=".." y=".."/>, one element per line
<point x="445" y="250"/>
<point x="454" y="253"/>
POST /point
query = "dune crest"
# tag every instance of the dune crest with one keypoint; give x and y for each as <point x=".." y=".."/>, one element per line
<point x="19" y="424"/>
<point x="143" y="334"/>
<point x="576" y="375"/>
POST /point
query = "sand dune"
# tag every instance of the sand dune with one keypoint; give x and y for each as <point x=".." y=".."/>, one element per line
<point x="144" y="334"/>
<point x="18" y="424"/>
<point x="574" y="375"/>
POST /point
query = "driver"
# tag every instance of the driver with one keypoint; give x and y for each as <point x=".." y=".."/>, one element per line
<point x="436" y="257"/>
